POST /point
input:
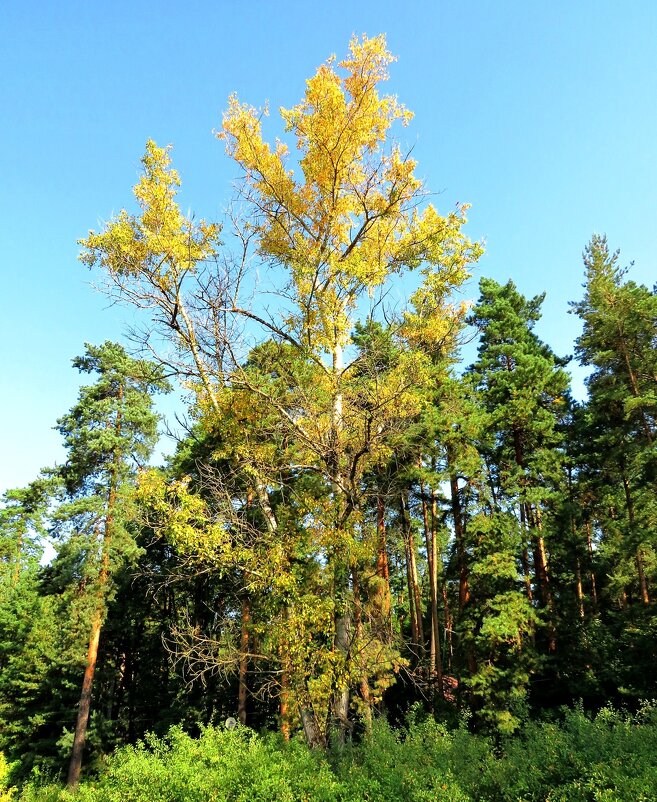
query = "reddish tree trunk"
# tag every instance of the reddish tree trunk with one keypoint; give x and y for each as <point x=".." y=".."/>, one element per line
<point x="75" y="766"/>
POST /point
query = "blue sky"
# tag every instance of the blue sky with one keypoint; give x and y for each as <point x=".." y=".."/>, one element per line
<point x="542" y="115"/>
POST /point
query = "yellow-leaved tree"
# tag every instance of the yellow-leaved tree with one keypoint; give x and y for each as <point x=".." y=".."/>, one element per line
<point x="336" y="216"/>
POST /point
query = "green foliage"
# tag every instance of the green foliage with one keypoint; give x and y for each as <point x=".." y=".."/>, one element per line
<point x="611" y="757"/>
<point x="7" y="791"/>
<point x="345" y="511"/>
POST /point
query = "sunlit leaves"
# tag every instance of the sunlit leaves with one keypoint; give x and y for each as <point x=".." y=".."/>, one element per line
<point x="160" y="245"/>
<point x="352" y="219"/>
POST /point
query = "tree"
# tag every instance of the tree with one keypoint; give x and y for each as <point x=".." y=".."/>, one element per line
<point x="619" y="341"/>
<point x="22" y="525"/>
<point x="523" y="386"/>
<point x="335" y="227"/>
<point x="109" y="433"/>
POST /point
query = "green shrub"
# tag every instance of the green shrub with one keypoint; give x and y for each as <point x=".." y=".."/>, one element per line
<point x="611" y="757"/>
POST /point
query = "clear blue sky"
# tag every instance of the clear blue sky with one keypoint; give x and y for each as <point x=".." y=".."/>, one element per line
<point x="542" y="115"/>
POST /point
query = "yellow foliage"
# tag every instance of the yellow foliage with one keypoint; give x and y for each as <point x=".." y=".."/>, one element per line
<point x="174" y="511"/>
<point x="351" y="219"/>
<point x="342" y="212"/>
<point x="161" y="244"/>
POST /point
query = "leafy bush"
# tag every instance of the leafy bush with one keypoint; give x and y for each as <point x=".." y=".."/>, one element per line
<point x="609" y="758"/>
<point x="6" y="792"/>
<point x="612" y="757"/>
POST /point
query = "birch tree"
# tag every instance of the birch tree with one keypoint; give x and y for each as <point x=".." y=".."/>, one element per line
<point x="332" y="221"/>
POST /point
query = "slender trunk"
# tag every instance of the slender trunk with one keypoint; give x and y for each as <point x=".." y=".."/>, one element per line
<point x="84" y="707"/>
<point x="284" y="699"/>
<point x="411" y="596"/>
<point x="365" y="692"/>
<point x="527" y="574"/>
<point x="244" y="661"/>
<point x="543" y="577"/>
<point x="525" y="557"/>
<point x="442" y="583"/>
<point x="645" y="596"/>
<point x="435" y="657"/>
<point x="578" y="588"/>
<point x="75" y="766"/>
<point x="284" y="705"/>
<point x="414" y="587"/>
<point x="528" y="518"/>
<point x="382" y="565"/>
<point x="636" y="392"/>
<point x="383" y="569"/>
<point x="343" y="622"/>
<point x="589" y="545"/>
<point x="341" y="697"/>
<point x="457" y="515"/>
<point x="517" y="446"/>
<point x="448" y="625"/>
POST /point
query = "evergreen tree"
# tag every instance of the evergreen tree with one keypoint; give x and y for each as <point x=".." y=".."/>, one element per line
<point x="619" y="341"/>
<point x="523" y="386"/>
<point x="109" y="434"/>
<point x="618" y="463"/>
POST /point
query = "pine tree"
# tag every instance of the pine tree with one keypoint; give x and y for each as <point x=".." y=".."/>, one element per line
<point x="109" y="433"/>
<point x="523" y="387"/>
<point x="619" y="342"/>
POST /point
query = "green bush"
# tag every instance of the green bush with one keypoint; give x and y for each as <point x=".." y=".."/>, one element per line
<point x="609" y="758"/>
<point x="612" y="756"/>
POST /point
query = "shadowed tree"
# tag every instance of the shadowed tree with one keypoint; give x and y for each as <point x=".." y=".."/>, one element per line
<point x="109" y="434"/>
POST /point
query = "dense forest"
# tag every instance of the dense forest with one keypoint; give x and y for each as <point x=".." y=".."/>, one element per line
<point x="369" y="571"/>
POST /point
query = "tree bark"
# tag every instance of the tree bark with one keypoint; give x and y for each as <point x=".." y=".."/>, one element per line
<point x="365" y="692"/>
<point x="457" y="516"/>
<point x="435" y="657"/>
<point x="244" y="661"/>
<point x="75" y="766"/>
<point x="578" y="588"/>
<point x="638" y="559"/>
<point x="414" y="585"/>
<point x="589" y="545"/>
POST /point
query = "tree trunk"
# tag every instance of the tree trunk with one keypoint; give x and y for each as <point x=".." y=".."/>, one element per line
<point x="284" y="701"/>
<point x="341" y="698"/>
<point x="284" y="705"/>
<point x="314" y="736"/>
<point x="365" y="691"/>
<point x="343" y="613"/>
<point x="75" y="766"/>
<point x="589" y="545"/>
<point x="244" y="661"/>
<point x="578" y="588"/>
<point x="638" y="559"/>
<point x="643" y="585"/>
<point x="435" y="657"/>
<point x="527" y="574"/>
<point x="382" y="565"/>
<point x="383" y="569"/>
<point x="414" y="585"/>
<point x="543" y="577"/>
<point x="457" y="516"/>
